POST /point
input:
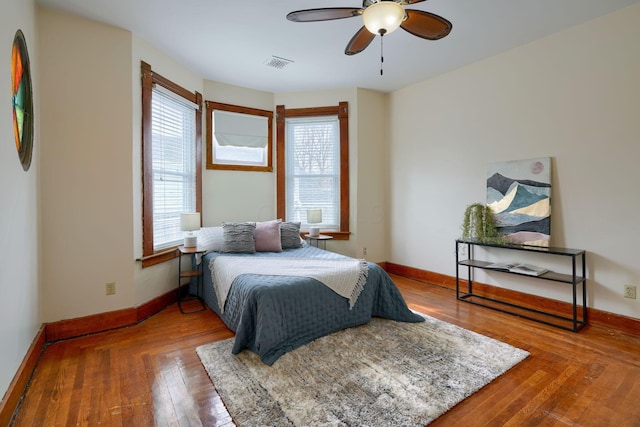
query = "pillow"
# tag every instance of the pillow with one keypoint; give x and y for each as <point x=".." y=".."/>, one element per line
<point x="210" y="239"/>
<point x="290" y="235"/>
<point x="267" y="236"/>
<point x="237" y="237"/>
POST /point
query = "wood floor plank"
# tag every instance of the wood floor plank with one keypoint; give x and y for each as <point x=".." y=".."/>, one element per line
<point x="134" y="406"/>
<point x="164" y="413"/>
<point x="590" y="392"/>
<point x="150" y="375"/>
<point x="75" y="404"/>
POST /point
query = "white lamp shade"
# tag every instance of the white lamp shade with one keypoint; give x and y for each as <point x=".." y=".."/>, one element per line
<point x="314" y="216"/>
<point x="385" y="15"/>
<point x="190" y="221"/>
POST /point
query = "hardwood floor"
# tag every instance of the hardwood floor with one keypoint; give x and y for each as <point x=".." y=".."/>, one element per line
<point x="149" y="374"/>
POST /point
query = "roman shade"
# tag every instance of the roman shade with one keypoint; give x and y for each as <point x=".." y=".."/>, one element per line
<point x="240" y="130"/>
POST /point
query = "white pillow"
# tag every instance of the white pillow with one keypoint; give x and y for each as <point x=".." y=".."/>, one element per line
<point x="210" y="239"/>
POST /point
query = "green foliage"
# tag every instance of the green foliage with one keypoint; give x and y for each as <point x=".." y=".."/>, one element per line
<point x="479" y="225"/>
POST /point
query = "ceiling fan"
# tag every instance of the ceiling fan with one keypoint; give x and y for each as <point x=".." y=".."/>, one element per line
<point x="379" y="17"/>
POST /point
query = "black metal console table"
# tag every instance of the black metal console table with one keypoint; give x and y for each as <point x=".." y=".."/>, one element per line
<point x="574" y="323"/>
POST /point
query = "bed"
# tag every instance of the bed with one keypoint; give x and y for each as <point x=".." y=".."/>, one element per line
<point x="274" y="314"/>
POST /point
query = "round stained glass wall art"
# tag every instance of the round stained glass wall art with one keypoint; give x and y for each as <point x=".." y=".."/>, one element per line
<point x="22" y="97"/>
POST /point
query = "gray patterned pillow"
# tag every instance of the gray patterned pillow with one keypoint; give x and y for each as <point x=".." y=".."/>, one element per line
<point x="237" y="237"/>
<point x="290" y="235"/>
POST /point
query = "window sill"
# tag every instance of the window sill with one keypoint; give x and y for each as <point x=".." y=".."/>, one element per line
<point x="337" y="235"/>
<point x="158" y="257"/>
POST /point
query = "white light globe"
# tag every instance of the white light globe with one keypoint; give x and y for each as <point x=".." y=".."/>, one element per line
<point x="385" y="15"/>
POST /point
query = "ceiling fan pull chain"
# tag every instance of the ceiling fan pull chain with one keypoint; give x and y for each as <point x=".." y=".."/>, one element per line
<point x="381" y="53"/>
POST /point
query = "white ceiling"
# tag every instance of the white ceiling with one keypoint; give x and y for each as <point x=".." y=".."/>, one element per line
<point x="230" y="41"/>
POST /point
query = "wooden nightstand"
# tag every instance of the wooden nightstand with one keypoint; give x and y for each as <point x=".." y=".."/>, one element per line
<point x="317" y="239"/>
<point x="191" y="273"/>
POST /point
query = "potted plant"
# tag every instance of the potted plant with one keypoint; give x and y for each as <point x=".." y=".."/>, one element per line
<point x="479" y="225"/>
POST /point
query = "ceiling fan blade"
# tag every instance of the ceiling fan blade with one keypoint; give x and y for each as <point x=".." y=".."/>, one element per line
<point x="323" y="14"/>
<point x="426" y="25"/>
<point x="359" y="41"/>
<point x="411" y="1"/>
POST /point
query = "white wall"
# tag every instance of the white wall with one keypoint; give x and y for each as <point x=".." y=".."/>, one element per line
<point x="574" y="97"/>
<point x="19" y="219"/>
<point x="91" y="192"/>
<point x="86" y="194"/>
<point x="372" y="163"/>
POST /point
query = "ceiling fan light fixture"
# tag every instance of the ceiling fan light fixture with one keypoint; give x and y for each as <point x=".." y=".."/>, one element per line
<point x="383" y="17"/>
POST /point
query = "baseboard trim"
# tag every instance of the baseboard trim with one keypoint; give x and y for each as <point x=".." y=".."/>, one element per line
<point x="421" y="275"/>
<point x="102" y="322"/>
<point x="21" y="379"/>
<point x="158" y="304"/>
<point x="65" y="329"/>
<point x="596" y="317"/>
<point x="71" y="328"/>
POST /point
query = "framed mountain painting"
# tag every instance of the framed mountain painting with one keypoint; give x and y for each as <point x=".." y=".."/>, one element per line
<point x="519" y="195"/>
<point x="22" y="97"/>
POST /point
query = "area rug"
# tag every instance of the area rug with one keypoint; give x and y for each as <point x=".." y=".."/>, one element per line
<point x="384" y="373"/>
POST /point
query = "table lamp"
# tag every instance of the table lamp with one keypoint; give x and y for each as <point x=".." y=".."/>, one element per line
<point x="314" y="216"/>
<point x="190" y="222"/>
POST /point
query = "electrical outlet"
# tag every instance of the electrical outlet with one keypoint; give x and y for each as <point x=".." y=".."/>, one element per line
<point x="630" y="291"/>
<point x="364" y="251"/>
<point x="110" y="288"/>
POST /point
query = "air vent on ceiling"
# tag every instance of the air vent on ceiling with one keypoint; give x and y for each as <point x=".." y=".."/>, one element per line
<point x="277" y="62"/>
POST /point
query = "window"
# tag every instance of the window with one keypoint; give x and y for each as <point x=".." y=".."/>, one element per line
<point x="313" y="166"/>
<point x="239" y="138"/>
<point x="171" y="162"/>
<point x="313" y="169"/>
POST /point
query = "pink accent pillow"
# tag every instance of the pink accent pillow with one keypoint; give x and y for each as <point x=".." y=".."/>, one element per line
<point x="267" y="236"/>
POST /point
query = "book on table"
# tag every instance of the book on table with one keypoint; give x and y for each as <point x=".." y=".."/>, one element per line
<point x="516" y="267"/>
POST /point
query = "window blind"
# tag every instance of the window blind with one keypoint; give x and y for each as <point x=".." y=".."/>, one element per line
<point x="174" y="166"/>
<point x="240" y="130"/>
<point x="313" y="169"/>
